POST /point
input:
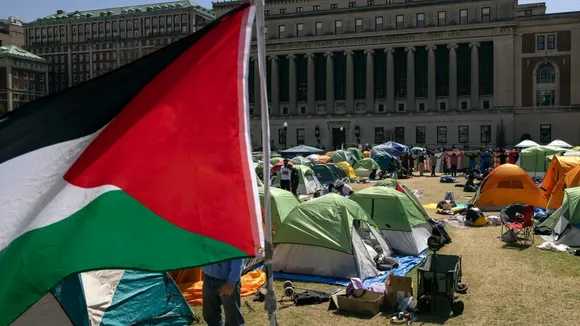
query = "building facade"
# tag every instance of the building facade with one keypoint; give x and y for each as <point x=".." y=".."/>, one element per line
<point x="435" y="73"/>
<point x="23" y="77"/>
<point x="11" y="31"/>
<point x="81" y="45"/>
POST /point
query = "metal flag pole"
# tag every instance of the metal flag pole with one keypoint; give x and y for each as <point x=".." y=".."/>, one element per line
<point x="270" y="302"/>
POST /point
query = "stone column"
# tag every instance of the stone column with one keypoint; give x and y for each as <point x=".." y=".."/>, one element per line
<point x="329" y="82"/>
<point x="411" y="78"/>
<point x="349" y="82"/>
<point x="292" y="84"/>
<point x="432" y="78"/>
<point x="257" y="95"/>
<point x="9" y="99"/>
<point x="311" y="84"/>
<point x="452" y="76"/>
<point x="390" y="80"/>
<point x="370" y="82"/>
<point x="474" y="74"/>
<point x="275" y="88"/>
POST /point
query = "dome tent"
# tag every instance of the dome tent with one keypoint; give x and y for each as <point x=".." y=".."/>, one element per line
<point x="324" y="237"/>
<point x="343" y="156"/>
<point x="565" y="222"/>
<point x="325" y="173"/>
<point x="403" y="225"/>
<point x="347" y="168"/>
<point x="281" y="202"/>
<point x="505" y="185"/>
<point x="356" y="152"/>
<point x="110" y="297"/>
<point x="555" y="179"/>
<point x="384" y="160"/>
<point x="395" y="184"/>
<point x="275" y="160"/>
<point x="527" y="144"/>
<point x="307" y="184"/>
<point x="300" y="160"/>
<point x="337" y="170"/>
<point x="560" y="143"/>
<point x="364" y="167"/>
<point x="533" y="159"/>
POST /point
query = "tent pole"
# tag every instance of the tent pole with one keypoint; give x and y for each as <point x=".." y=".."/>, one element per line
<point x="270" y="302"/>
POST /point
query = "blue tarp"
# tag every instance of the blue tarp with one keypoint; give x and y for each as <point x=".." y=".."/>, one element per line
<point x="406" y="264"/>
<point x="391" y="147"/>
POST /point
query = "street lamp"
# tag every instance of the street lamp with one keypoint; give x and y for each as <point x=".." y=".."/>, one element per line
<point x="342" y="137"/>
<point x="285" y="134"/>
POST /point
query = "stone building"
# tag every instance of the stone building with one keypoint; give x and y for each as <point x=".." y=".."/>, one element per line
<point x="23" y="77"/>
<point x="435" y="73"/>
<point x="11" y="31"/>
<point x="81" y="45"/>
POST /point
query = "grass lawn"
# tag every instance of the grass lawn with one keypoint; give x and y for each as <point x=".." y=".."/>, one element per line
<point x="506" y="286"/>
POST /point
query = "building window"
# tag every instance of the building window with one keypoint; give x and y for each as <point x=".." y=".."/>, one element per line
<point x="300" y="135"/>
<point x="42" y="78"/>
<point x="541" y="42"/>
<point x="421" y="106"/>
<point x="400" y="135"/>
<point x="333" y="6"/>
<point x="420" y="20"/>
<point x="528" y="13"/>
<point x="25" y="75"/>
<point x="42" y="88"/>
<point x="486" y="134"/>
<point x="318" y="29"/>
<point x="401" y="107"/>
<point x="316" y="8"/>
<point x="463" y="17"/>
<point x="420" y="134"/>
<point x="266" y="12"/>
<point x="442" y="106"/>
<point x="551" y="42"/>
<point x="358" y="25"/>
<point x="32" y="76"/>
<point x="338" y="27"/>
<point x="545" y="74"/>
<point x="486" y="104"/>
<point x="370" y="2"/>
<point x="463" y="134"/>
<point x="300" y="29"/>
<point x="400" y="22"/>
<point x="282" y="136"/>
<point x="352" y="4"/>
<point x="485" y="15"/>
<point x="281" y="31"/>
<point x="545" y="133"/>
<point x="381" y="108"/>
<point x="441" y="18"/>
<point x="266" y="30"/>
<point x="379" y="135"/>
<point x="282" y="11"/>
<point x="378" y="24"/>
<point x="298" y="9"/>
<point x="463" y="105"/>
<point x="441" y="135"/>
<point x="545" y="97"/>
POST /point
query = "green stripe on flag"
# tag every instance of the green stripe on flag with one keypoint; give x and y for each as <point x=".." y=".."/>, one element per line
<point x="114" y="231"/>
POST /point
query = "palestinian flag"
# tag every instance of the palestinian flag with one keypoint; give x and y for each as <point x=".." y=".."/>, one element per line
<point x="147" y="167"/>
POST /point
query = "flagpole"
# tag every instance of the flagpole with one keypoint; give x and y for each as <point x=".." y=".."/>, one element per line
<point x="270" y="302"/>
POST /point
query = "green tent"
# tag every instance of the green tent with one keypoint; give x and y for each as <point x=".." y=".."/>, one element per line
<point x="337" y="170"/>
<point x="343" y="156"/>
<point x="565" y="222"/>
<point x="299" y="160"/>
<point x="395" y="184"/>
<point x="402" y="224"/>
<point x="308" y="182"/>
<point x="324" y="222"/>
<point x="533" y="159"/>
<point x="356" y="152"/>
<point x="281" y="203"/>
<point x="275" y="160"/>
<point x="367" y="164"/>
<point x="330" y="236"/>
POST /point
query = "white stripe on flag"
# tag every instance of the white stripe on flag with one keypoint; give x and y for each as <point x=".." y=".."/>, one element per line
<point x="99" y="288"/>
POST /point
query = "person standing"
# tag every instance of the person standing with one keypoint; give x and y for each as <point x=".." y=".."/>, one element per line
<point x="433" y="161"/>
<point x="221" y="287"/>
<point x="285" y="176"/>
<point x="453" y="163"/>
<point x="294" y="180"/>
<point x="421" y="163"/>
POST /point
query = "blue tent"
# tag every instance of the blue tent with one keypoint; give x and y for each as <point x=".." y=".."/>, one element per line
<point x="301" y="150"/>
<point x="111" y="297"/>
<point x="393" y="148"/>
<point x="384" y="160"/>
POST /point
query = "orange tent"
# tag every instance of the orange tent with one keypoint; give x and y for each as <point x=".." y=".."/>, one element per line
<point x="505" y="185"/>
<point x="559" y="166"/>
<point x="570" y="180"/>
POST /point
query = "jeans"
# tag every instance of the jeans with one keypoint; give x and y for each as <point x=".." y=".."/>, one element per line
<point x="285" y="184"/>
<point x="212" y="302"/>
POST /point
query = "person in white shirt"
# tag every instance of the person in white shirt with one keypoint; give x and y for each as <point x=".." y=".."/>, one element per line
<point x="285" y="176"/>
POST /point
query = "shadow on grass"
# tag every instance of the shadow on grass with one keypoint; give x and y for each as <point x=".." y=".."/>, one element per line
<point x="352" y="315"/>
<point x="517" y="246"/>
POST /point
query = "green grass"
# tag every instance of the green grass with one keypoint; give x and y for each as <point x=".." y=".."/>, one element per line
<point x="506" y="286"/>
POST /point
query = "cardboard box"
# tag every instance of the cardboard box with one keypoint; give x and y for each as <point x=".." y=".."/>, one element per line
<point x="362" y="302"/>
<point x="397" y="287"/>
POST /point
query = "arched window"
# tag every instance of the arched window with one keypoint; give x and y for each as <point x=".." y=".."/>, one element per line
<point x="546" y="74"/>
<point x="546" y="85"/>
